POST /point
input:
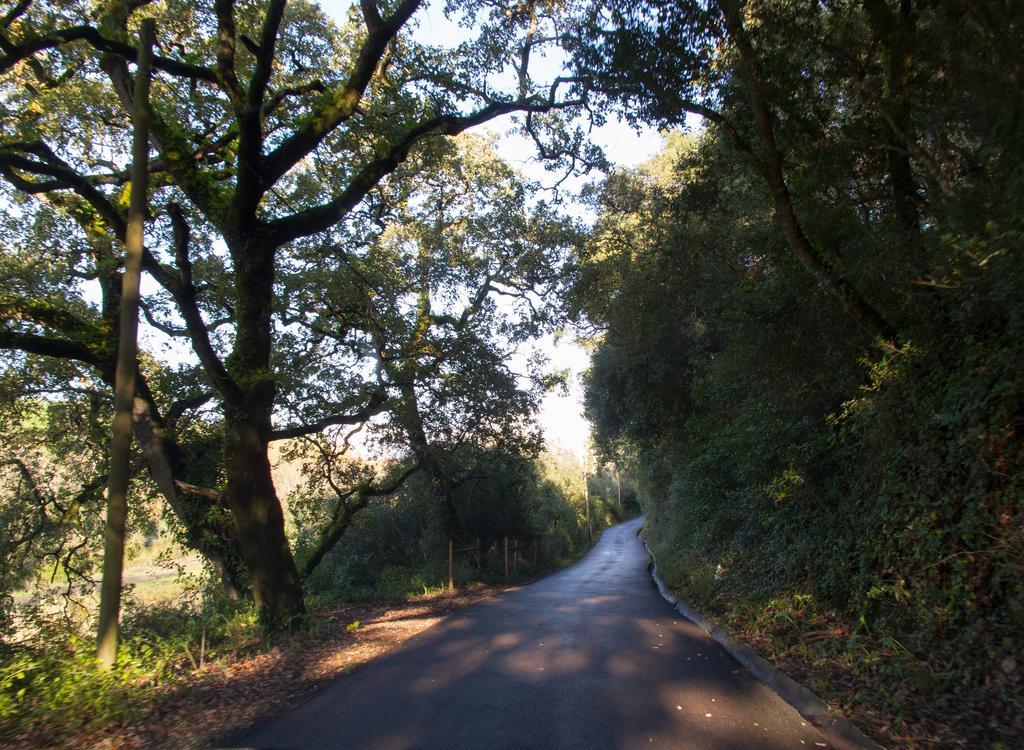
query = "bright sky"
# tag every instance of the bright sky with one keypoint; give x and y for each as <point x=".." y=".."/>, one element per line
<point x="561" y="415"/>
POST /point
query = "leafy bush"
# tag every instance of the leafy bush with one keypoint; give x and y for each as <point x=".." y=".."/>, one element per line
<point x="398" y="545"/>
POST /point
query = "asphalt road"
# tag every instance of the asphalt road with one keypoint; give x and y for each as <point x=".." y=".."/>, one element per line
<point x="591" y="657"/>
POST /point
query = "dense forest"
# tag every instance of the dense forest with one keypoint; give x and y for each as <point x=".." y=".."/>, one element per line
<point x="805" y="316"/>
<point x="809" y="335"/>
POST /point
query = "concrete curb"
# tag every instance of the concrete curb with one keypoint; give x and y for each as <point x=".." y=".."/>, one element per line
<point x="837" y="730"/>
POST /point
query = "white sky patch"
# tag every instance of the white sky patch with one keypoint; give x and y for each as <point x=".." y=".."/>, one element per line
<point x="561" y="414"/>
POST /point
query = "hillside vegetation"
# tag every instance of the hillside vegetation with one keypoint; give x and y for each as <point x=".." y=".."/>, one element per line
<point x="829" y="449"/>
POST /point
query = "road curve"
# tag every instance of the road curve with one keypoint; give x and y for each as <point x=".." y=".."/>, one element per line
<point x="591" y="657"/>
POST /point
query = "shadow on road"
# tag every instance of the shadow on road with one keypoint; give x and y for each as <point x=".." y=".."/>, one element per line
<point x="590" y="657"/>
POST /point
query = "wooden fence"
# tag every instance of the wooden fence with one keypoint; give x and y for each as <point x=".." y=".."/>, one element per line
<point x="513" y="546"/>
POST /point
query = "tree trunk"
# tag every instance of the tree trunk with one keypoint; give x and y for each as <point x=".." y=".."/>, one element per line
<point x="618" y="490"/>
<point x="896" y="32"/>
<point x="255" y="509"/>
<point x="108" y="634"/>
<point x="207" y="530"/>
<point x="816" y="262"/>
<point x="408" y="411"/>
<point x="259" y="527"/>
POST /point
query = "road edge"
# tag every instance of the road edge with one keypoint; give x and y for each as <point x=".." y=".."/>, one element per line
<point x="841" y="732"/>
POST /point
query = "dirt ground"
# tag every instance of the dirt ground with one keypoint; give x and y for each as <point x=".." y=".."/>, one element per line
<point x="222" y="699"/>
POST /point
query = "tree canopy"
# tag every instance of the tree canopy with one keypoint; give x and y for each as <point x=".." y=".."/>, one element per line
<point x="804" y="314"/>
<point x="286" y="147"/>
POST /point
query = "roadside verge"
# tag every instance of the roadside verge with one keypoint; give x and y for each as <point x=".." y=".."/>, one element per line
<point x="837" y="730"/>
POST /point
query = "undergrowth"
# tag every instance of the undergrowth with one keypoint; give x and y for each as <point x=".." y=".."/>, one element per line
<point x="51" y="685"/>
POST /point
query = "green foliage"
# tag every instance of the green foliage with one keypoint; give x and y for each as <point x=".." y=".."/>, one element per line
<point x="901" y="506"/>
<point x="777" y="449"/>
<point x="50" y="691"/>
<point x="321" y="249"/>
<point x="38" y="685"/>
<point x="398" y="546"/>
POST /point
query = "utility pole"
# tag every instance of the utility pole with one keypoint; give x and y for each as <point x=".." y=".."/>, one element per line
<point x="586" y="497"/>
<point x="127" y="351"/>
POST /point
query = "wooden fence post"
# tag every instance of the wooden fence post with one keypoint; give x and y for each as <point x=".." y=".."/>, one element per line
<point x="478" y="554"/>
<point x="451" y="565"/>
<point x="618" y="489"/>
<point x="586" y="493"/>
<point x="506" y="558"/>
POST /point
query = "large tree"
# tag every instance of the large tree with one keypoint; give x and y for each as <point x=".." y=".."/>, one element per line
<point x="274" y="130"/>
<point x="438" y="311"/>
<point x="839" y="94"/>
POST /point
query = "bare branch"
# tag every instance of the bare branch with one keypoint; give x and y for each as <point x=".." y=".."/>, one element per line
<point x="196" y="490"/>
<point x="29" y="47"/>
<point x="374" y="407"/>
<point x="346" y="509"/>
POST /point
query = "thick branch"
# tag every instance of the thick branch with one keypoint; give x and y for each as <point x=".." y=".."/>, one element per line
<point x="28" y="480"/>
<point x="47" y="346"/>
<point x="14" y="13"/>
<point x="197" y="490"/>
<point x="92" y="36"/>
<point x="374" y="407"/>
<point x="279" y="97"/>
<point x="323" y="217"/>
<point x="82" y="342"/>
<point x="265" y="55"/>
<point x="47" y="164"/>
<point x="226" y="43"/>
<point x="178" y="408"/>
<point x="724" y="124"/>
<point x="250" y="186"/>
<point x="184" y="293"/>
<point x="339" y="105"/>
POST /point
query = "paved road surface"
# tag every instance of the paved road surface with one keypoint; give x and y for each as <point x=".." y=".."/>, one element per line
<point x="591" y="657"/>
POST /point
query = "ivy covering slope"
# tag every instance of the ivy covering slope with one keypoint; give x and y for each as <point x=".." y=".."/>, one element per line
<point x="808" y="323"/>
